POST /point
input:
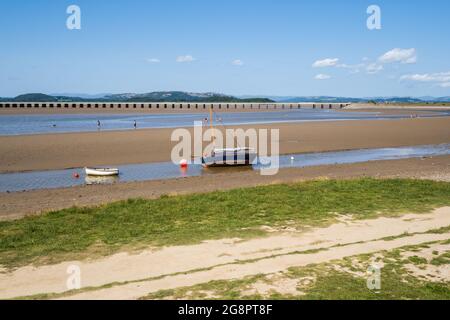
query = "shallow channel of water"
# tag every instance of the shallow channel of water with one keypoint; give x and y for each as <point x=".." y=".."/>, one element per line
<point x="22" y="181"/>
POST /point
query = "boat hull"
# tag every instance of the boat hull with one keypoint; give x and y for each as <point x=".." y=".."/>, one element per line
<point x="234" y="157"/>
<point x="101" y="172"/>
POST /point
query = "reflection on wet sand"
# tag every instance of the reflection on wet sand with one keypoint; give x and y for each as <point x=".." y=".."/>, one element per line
<point x="90" y="180"/>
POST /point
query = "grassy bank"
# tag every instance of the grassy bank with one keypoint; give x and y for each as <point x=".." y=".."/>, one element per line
<point x="344" y="279"/>
<point x="78" y="232"/>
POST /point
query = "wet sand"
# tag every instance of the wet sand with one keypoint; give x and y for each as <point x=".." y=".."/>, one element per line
<point x="69" y="150"/>
<point x="19" y="204"/>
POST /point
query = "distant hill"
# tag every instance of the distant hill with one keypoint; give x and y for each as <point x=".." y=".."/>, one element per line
<point x="81" y="95"/>
<point x="35" y="97"/>
<point x="181" y="96"/>
<point x="329" y="99"/>
<point x="443" y="99"/>
<point x="172" y="96"/>
<point x="319" y="99"/>
<point x="160" y="96"/>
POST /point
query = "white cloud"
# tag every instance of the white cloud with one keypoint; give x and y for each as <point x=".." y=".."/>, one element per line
<point x="322" y="77"/>
<point x="365" y="64"/>
<point x="417" y="77"/>
<point x="373" y="68"/>
<point x="153" y="60"/>
<point x="441" y="79"/>
<point x="353" y="68"/>
<point x="237" y="62"/>
<point x="370" y="68"/>
<point x="187" y="58"/>
<point x="350" y="66"/>
<point x="399" y="55"/>
<point x="428" y="77"/>
<point x="325" y="63"/>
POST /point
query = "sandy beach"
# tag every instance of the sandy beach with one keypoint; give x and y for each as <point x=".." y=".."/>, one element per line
<point x="69" y="150"/>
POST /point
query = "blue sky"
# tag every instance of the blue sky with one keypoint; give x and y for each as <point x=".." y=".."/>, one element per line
<point x="237" y="47"/>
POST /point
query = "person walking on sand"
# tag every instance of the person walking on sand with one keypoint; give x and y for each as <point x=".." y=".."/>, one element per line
<point x="135" y="124"/>
<point x="98" y="124"/>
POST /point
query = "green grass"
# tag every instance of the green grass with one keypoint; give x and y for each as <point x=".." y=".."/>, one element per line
<point x="441" y="260"/>
<point x="417" y="260"/>
<point x="329" y="284"/>
<point x="75" y="232"/>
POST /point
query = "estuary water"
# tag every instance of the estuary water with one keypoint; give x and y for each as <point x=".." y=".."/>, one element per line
<point x="59" y="123"/>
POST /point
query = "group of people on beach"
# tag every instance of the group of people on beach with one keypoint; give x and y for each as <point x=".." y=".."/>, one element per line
<point x="206" y="120"/>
